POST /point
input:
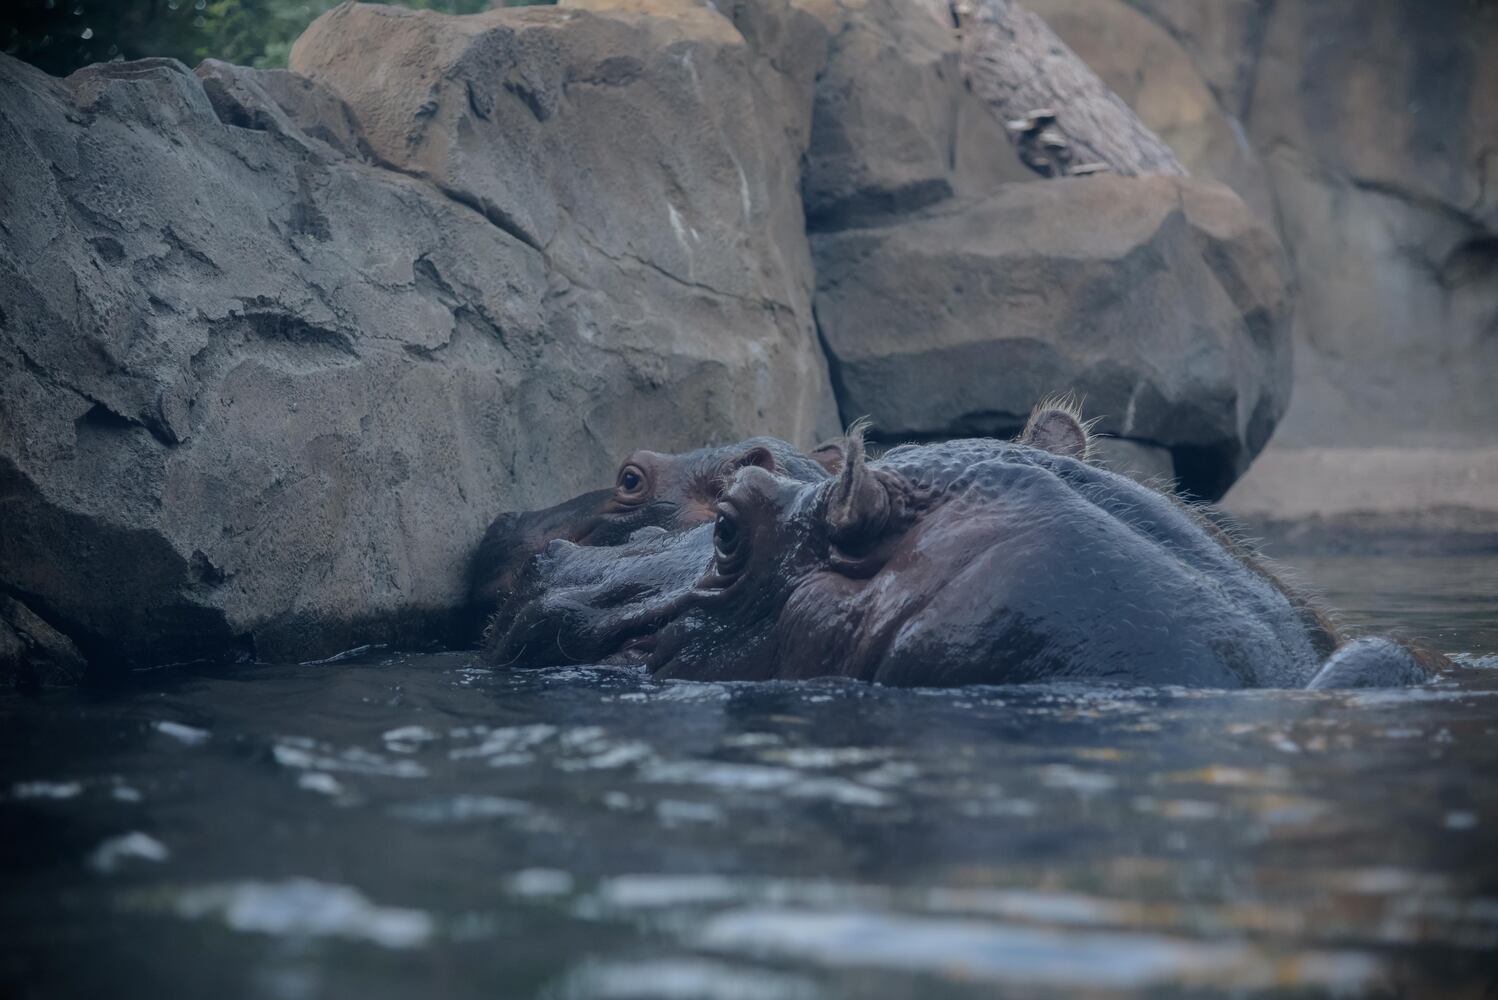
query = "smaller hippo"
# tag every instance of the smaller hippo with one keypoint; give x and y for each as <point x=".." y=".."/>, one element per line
<point x="651" y="490"/>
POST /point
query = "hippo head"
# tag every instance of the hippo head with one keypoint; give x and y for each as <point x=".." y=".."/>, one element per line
<point x="777" y="586"/>
<point x="802" y="578"/>
<point x="585" y="604"/>
<point x="651" y="490"/>
<point x="975" y="561"/>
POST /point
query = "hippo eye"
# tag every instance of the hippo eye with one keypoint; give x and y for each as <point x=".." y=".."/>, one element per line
<point x="631" y="484"/>
<point x="729" y="546"/>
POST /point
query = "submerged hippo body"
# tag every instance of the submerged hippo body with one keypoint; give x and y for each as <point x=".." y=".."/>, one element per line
<point x="966" y="562"/>
<point x="651" y="490"/>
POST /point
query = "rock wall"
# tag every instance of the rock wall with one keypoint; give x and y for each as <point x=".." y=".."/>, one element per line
<point x="268" y="365"/>
<point x="951" y="296"/>
<point x="1372" y="127"/>
<point x="1159" y="299"/>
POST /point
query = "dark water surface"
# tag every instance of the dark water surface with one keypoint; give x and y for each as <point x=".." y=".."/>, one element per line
<point x="404" y="825"/>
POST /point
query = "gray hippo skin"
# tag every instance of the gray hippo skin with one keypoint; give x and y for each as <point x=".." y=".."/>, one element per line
<point x="650" y="490"/>
<point x="967" y="562"/>
<point x="595" y="604"/>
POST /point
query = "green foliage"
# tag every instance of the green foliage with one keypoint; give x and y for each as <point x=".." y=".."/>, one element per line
<point x="62" y="35"/>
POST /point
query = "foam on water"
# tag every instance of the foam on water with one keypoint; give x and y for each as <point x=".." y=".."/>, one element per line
<point x="302" y="907"/>
<point x="969" y="950"/>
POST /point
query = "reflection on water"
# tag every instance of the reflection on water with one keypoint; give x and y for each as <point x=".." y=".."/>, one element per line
<point x="1449" y="602"/>
<point x="401" y="825"/>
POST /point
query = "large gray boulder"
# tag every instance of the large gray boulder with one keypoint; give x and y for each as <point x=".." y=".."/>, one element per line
<point x="650" y="152"/>
<point x="952" y="299"/>
<point x="1383" y="154"/>
<point x="1383" y="151"/>
<point x="1161" y="299"/>
<point x="270" y="360"/>
<point x="1377" y="124"/>
<point x="894" y="126"/>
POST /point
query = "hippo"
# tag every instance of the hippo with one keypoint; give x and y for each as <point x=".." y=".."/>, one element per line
<point x="651" y="490"/>
<point x="966" y="562"/>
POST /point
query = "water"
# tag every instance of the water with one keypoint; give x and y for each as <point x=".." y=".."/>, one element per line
<point x="410" y="825"/>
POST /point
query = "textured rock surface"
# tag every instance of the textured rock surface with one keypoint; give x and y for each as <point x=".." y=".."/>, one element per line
<point x="1223" y="38"/>
<point x="1377" y="124"/>
<point x="257" y="393"/>
<point x="1380" y="126"/>
<point x="1017" y="64"/>
<point x="33" y="652"/>
<point x="894" y="127"/>
<point x="653" y="160"/>
<point x="898" y="135"/>
<point x="1144" y="65"/>
<point x="1161" y="299"/>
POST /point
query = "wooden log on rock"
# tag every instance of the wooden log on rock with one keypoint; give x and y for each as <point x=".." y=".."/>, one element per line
<point x="1064" y="120"/>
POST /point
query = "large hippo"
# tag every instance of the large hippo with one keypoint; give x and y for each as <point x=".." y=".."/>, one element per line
<point x="651" y="490"/>
<point x="974" y="561"/>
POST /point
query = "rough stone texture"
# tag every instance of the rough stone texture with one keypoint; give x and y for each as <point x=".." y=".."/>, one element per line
<point x="897" y="133"/>
<point x="1380" y="126"/>
<point x="1159" y="298"/>
<point x="1377" y="124"/>
<point x="259" y="394"/>
<point x="894" y="127"/>
<point x="1223" y="38"/>
<point x="33" y="652"/>
<point x="1017" y="64"/>
<point x="652" y="160"/>
<point x="1154" y="75"/>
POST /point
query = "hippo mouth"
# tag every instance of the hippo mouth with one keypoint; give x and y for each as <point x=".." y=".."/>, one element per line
<point x="634" y="650"/>
<point x="539" y="636"/>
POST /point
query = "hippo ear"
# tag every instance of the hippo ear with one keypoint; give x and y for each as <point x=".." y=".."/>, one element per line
<point x="1056" y="426"/>
<point x="858" y="506"/>
<point x="829" y="455"/>
<point x="758" y="455"/>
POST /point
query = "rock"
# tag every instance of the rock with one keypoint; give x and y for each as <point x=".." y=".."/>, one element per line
<point x="1159" y="298"/>
<point x="1223" y="39"/>
<point x="1144" y="65"/>
<point x="259" y="396"/>
<point x="646" y="150"/>
<point x="33" y="652"/>
<point x="1379" y="128"/>
<point x="1397" y="501"/>
<point x="280" y="101"/>
<point x="1066" y="120"/>
<point x="894" y="127"/>
<point x="1380" y="124"/>
<point x="1148" y="463"/>
<point x="898" y="133"/>
<point x="1376" y="125"/>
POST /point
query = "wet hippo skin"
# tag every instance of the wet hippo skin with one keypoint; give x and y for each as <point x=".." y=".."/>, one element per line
<point x="974" y="561"/>
<point x="650" y="489"/>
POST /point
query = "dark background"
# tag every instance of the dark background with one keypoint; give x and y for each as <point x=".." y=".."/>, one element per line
<point x="61" y="35"/>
